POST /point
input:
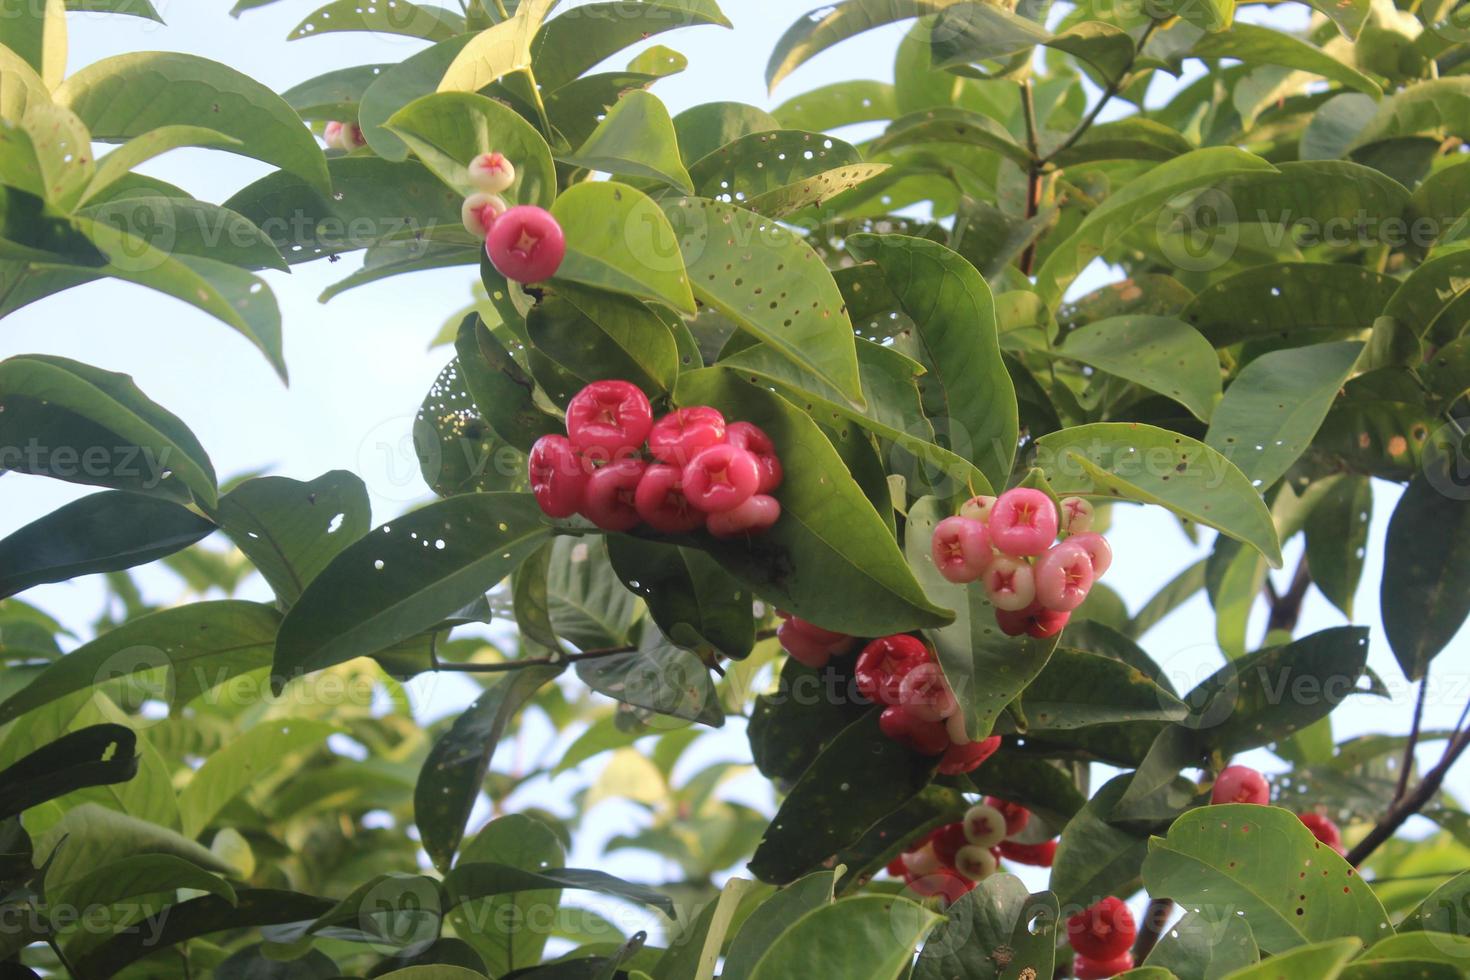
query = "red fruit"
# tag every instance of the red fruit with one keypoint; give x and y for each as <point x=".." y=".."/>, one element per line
<point x="961" y="549"/>
<point x="661" y="502"/>
<point x="1023" y="522"/>
<point x="1087" y="968"/>
<point x="961" y="759"/>
<point x="1035" y="620"/>
<point x="922" y="861"/>
<point x="611" y="498"/>
<point x="947" y="841"/>
<point x="803" y="646"/>
<point x="680" y="435"/>
<point x="885" y="662"/>
<point x="926" y="694"/>
<point x="1077" y="515"/>
<point x="896" y="867"/>
<point x="753" y="439"/>
<point x="756" y="515"/>
<point x="526" y="244"/>
<point x="1103" y="931"/>
<point x="558" y="476"/>
<point x="1064" y="576"/>
<point x="1036" y="855"/>
<point x="924" y="737"/>
<point x="1097" y="549"/>
<point x="1240" y="784"/>
<point x="816" y="632"/>
<point x="609" y="419"/>
<point x="1010" y="584"/>
<point x="1017" y="816"/>
<point x="943" y="883"/>
<point x="1324" y="830"/>
<point x="721" y="478"/>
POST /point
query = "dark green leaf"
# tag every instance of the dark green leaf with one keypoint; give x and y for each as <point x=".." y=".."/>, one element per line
<point x="1337" y="539"/>
<point x="635" y="139"/>
<point x="479" y="880"/>
<point x="1161" y="353"/>
<point x="659" y="677"/>
<point x="1425" y="594"/>
<point x="94" y="756"/>
<point x="691" y="598"/>
<point x="996" y="931"/>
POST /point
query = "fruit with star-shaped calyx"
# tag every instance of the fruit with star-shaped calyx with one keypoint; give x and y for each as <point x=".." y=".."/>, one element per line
<point x="1240" y="784"/>
<point x="492" y="173"/>
<point x="1023" y="522"/>
<point x="885" y="662"/>
<point x="526" y="244"/>
<point x="608" y="420"/>
<point x="961" y="549"/>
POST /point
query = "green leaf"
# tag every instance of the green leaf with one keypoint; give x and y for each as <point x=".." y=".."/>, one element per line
<point x="867" y="937"/>
<point x="1260" y="861"/>
<point x="1136" y="201"/>
<point x="789" y="726"/>
<point x="131" y="8"/>
<point x="617" y="239"/>
<point x="735" y="257"/>
<point x="403" y="18"/>
<point x="405" y="577"/>
<point x="950" y="125"/>
<point x="1424" y="596"/>
<point x="246" y="760"/>
<point x="95" y="837"/>
<point x="1320" y="961"/>
<point x="576" y="41"/>
<point x="1273" y="409"/>
<point x="1131" y="138"/>
<point x="103" y="532"/>
<point x="1094" y="858"/>
<point x="471" y="881"/>
<point x="496" y="52"/>
<point x="433" y="972"/>
<point x="1161" y="353"/>
<point x="589" y="606"/>
<point x="692" y="599"/>
<point x="1349" y="17"/>
<point x="597" y="335"/>
<point x="1440" y="106"/>
<point x="954" y="321"/>
<point x="520" y="842"/>
<point x="1255" y="45"/>
<point x="1179" y="590"/>
<point x="1078" y="690"/>
<point x="635" y="139"/>
<point x="705" y="128"/>
<point x="46" y="154"/>
<point x="838" y="104"/>
<point x="857" y="779"/>
<point x="770" y="919"/>
<point x="334" y="95"/>
<point x="33" y="231"/>
<point x="140" y="149"/>
<point x="830" y="559"/>
<point x="1443" y="910"/>
<point x="134" y="877"/>
<point x="448" y="130"/>
<point x="203" y="644"/>
<point x="1291" y="302"/>
<point x="658" y="677"/>
<point x="1207" y="944"/>
<point x="1337" y="539"/>
<point x="1213" y="15"/>
<point x="291" y="530"/>
<point x="131" y="94"/>
<point x="104" y="430"/>
<point x="452" y="775"/>
<point x="37" y="34"/>
<point x="98" y="755"/>
<point x="970" y="33"/>
<point x="696" y="952"/>
<point x="764" y="162"/>
<point x="996" y="930"/>
<point x="986" y="669"/>
<point x="1428" y="294"/>
<point x="820" y="29"/>
<point x="1150" y="465"/>
<point x="502" y="391"/>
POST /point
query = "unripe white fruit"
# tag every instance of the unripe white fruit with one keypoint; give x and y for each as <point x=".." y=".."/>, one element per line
<point x="921" y="862"/>
<point x="1077" y="515"/>
<point x="480" y="211"/>
<point x="332" y="135"/>
<point x="975" y="862"/>
<point x="978" y="508"/>
<point x="985" y="826"/>
<point x="492" y="173"/>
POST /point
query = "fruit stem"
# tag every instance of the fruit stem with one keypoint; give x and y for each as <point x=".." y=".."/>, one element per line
<point x="1033" y="172"/>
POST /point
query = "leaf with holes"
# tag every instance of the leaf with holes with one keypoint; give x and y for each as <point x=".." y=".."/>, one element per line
<point x="1161" y="353"/>
<point x="691" y="598"/>
<point x="997" y="930"/>
<point x="1296" y="302"/>
<point x="400" y="17"/>
<point x="635" y="139"/>
<point x="1208" y="944"/>
<point x="659" y="677"/>
<point x="458" y="451"/>
<point x="617" y="239"/>
<point x="501" y="390"/>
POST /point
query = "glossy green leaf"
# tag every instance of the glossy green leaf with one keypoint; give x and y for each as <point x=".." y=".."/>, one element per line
<point x="1443" y="910"/>
<point x="589" y="606"/>
<point x="1428" y="294"/>
<point x="735" y="257"/>
<point x="469" y="881"/>
<point x="448" y="130"/>
<point x="867" y="937"/>
<point x="764" y="162"/>
<point x="659" y="677"/>
<point x="830" y="558"/>
<point x="705" y="128"/>
<point x="771" y="918"/>
<point x="134" y="877"/>
<point x="97" y="755"/>
<point x="1077" y="690"/>
<point x="103" y="532"/>
<point x="454" y="771"/>
<point x="1094" y="858"/>
<point x="96" y="836"/>
<point x="820" y="29"/>
<point x="1273" y="409"/>
<point x="140" y="149"/>
<point x="1438" y="106"/>
<point x="404" y="577"/>
<point x="1256" y="45"/>
<point x="521" y="842"/>
<point x="1321" y="961"/>
<point x="1261" y="860"/>
<point x="501" y="389"/>
<point x="243" y="763"/>
<point x="1207" y="944"/>
<point x="402" y="17"/>
<point x="789" y="726"/>
<point x="1130" y="138"/>
<point x="132" y="94"/>
<point x="997" y="930"/>
<point x="950" y="125"/>
<point x="954" y="320"/>
<point x="1424" y="598"/>
<point x="635" y="139"/>
<point x="1337" y="540"/>
<point x="1161" y="353"/>
<point x="838" y="104"/>
<point x="692" y="599"/>
<point x="498" y="51"/>
<point x="695" y="954"/>
<point x="334" y="95"/>
<point x="1305" y="302"/>
<point x="971" y="33"/>
<point x="577" y="40"/>
<point x="291" y="530"/>
<point x="596" y="335"/>
<point x="617" y="239"/>
<point x="101" y="428"/>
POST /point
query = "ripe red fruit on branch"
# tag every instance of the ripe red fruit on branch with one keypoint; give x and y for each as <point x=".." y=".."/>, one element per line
<point x="558" y="476"/>
<point x="609" y="419"/>
<point x="884" y="664"/>
<point x="753" y="439"/>
<point x="1035" y="620"/>
<point x="680" y="435"/>
<point x="661" y="503"/>
<point x="1097" y="549"/>
<point x="944" y="883"/>
<point x="611" y="498"/>
<point x="1036" y="855"/>
<point x="526" y="244"/>
<point x="1103" y="931"/>
<point x="947" y="841"/>
<point x="1324" y="830"/>
<point x="757" y="514"/>
<point x="1064" y="576"/>
<point x="926" y="693"/>
<point x="1023" y="522"/>
<point x="1077" y="515"/>
<point x="967" y="757"/>
<point x="811" y="644"/>
<point x="721" y="478"/>
<point x="492" y="173"/>
<point x="961" y="549"/>
<point x="1016" y="815"/>
<point x="1087" y="968"/>
<point x="1240" y="784"/>
<point x="904" y="727"/>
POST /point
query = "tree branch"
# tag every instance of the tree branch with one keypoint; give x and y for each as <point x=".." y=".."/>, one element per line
<point x="1286" y="609"/>
<point x="1407" y="766"/>
<point x="1411" y="804"/>
<point x="1155" y="917"/>
<point x="1033" y="172"/>
<point x="1113" y="87"/>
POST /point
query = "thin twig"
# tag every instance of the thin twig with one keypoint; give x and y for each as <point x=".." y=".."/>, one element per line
<point x="552" y="661"/>
<point x="1113" y="87"/>
<point x="1286" y="609"/>
<point x="1155" y="917"/>
<point x="1407" y="766"/>
<point x="1033" y="171"/>
<point x="1411" y="804"/>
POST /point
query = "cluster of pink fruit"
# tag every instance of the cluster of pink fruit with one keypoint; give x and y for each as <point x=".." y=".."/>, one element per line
<point x="900" y="673"/>
<point x="704" y="473"/>
<point x="525" y="243"/>
<point x="1009" y="544"/>
<point x="1242" y="784"/>
<point x="343" y="136"/>
<point x="949" y="861"/>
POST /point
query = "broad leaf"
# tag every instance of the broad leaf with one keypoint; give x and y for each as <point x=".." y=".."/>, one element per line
<point x="501" y="389"/>
<point x="997" y="930"/>
<point x="867" y="937"/>
<point x="820" y="29"/>
<point x="448" y="130"/>
<point x="1094" y="858"/>
<point x="1207" y="944"/>
<point x="771" y="918"/>
<point x="635" y="139"/>
<point x="494" y="53"/>
<point x="1337" y="539"/>
<point x="98" y="755"/>
<point x="1161" y="353"/>
<point x="659" y="677"/>
<point x="617" y="239"/>
<point x="402" y="17"/>
<point x="692" y="599"/>
<point x="1307" y="302"/>
<point x="598" y="335"/>
<point x="1079" y="690"/>
<point x="243" y="763"/>
<point x="1424" y="596"/>
<point x="521" y="842"/>
<point x="577" y="40"/>
<point x="470" y="881"/>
